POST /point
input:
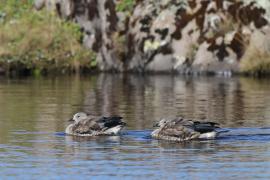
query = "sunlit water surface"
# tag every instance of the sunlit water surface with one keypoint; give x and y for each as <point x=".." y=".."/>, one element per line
<point x="34" y="113"/>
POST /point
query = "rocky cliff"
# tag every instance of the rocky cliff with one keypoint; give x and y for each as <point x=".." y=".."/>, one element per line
<point x="185" y="36"/>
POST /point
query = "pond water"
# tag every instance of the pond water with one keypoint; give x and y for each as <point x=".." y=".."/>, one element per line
<point x="34" y="113"/>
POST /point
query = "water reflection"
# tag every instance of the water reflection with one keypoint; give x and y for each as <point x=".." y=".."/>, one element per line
<point x="233" y="102"/>
<point x="44" y="104"/>
<point x="34" y="113"/>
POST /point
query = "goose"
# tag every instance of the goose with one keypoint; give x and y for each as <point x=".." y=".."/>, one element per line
<point x="179" y="129"/>
<point x="88" y="125"/>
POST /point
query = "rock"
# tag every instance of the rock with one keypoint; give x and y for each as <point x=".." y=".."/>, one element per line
<point x="187" y="36"/>
<point x="65" y="8"/>
<point x="39" y="4"/>
<point x="200" y="35"/>
<point x="98" y="21"/>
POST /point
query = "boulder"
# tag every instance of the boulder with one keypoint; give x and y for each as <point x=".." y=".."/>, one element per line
<point x="186" y="36"/>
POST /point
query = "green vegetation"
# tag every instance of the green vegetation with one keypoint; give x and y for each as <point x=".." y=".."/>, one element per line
<point x="39" y="42"/>
<point x="125" y="5"/>
<point x="256" y="61"/>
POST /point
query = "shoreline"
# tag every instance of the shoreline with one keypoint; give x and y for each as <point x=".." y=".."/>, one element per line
<point x="95" y="71"/>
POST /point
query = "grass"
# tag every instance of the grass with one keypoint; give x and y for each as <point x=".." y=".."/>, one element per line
<point x="255" y="61"/>
<point x="39" y="42"/>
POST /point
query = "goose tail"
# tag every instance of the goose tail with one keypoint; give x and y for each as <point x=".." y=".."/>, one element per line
<point x="114" y="130"/>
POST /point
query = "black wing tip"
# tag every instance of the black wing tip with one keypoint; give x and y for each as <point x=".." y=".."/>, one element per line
<point x="112" y="121"/>
<point x="112" y="117"/>
<point x="119" y="117"/>
<point x="206" y="122"/>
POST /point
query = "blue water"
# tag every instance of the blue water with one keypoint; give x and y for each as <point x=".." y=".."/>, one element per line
<point x="34" y="113"/>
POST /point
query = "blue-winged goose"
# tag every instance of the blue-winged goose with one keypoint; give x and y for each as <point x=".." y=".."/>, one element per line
<point x="180" y="129"/>
<point x="87" y="125"/>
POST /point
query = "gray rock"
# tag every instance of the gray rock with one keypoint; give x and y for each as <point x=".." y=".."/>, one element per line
<point x="39" y="4"/>
<point x="187" y="36"/>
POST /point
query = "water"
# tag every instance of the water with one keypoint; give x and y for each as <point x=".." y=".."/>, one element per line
<point x="34" y="113"/>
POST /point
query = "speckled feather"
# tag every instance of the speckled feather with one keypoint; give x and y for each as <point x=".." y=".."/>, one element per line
<point x="87" y="126"/>
<point x="95" y="125"/>
<point x="179" y="129"/>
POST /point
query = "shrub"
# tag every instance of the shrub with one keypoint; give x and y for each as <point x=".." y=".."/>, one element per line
<point x="39" y="41"/>
<point x="256" y="61"/>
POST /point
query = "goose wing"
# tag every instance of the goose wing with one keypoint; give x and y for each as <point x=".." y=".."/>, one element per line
<point x="96" y="124"/>
<point x="201" y="127"/>
<point x="179" y="129"/>
<point x="87" y="126"/>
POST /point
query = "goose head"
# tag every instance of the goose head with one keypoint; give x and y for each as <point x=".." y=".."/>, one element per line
<point x="162" y="122"/>
<point x="79" y="116"/>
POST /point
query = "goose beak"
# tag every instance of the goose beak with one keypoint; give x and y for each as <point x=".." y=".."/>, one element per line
<point x="123" y="123"/>
<point x="156" y="125"/>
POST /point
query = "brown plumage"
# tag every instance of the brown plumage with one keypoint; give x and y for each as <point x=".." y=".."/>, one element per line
<point x="87" y="125"/>
<point x="180" y="129"/>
